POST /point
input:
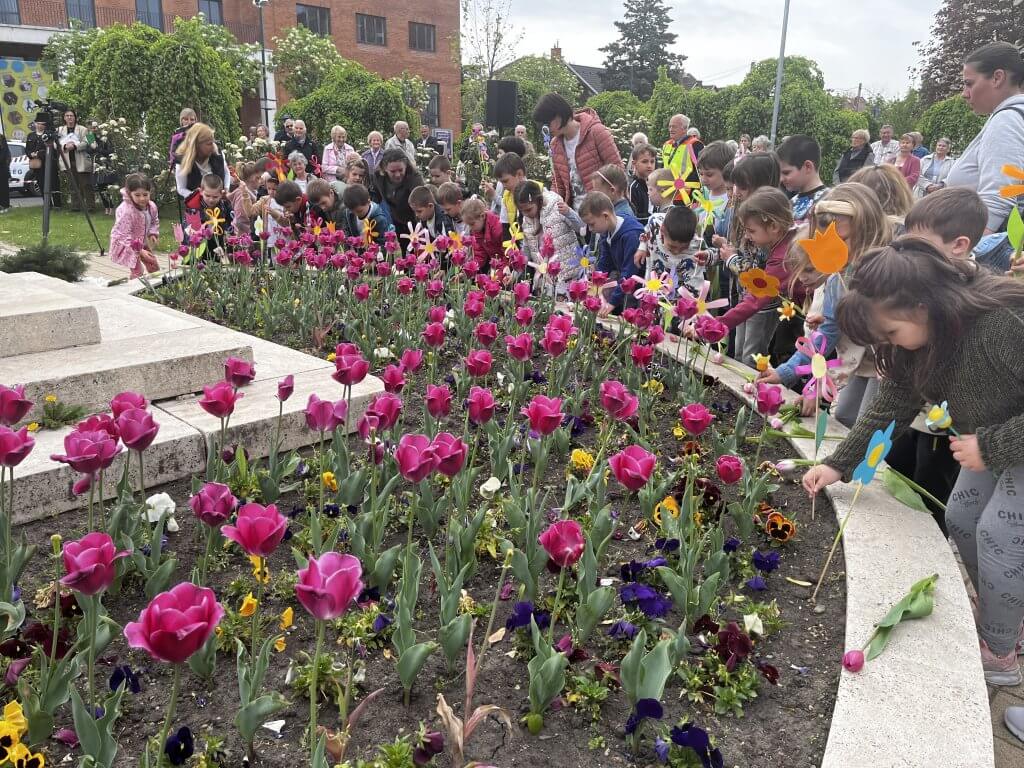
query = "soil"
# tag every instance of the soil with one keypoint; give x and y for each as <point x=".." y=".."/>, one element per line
<point x="790" y="719"/>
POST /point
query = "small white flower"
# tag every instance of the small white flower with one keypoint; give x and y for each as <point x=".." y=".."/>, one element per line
<point x="157" y="506"/>
<point x="121" y="120"/>
<point x="490" y="488"/>
<point x="382" y="353"/>
<point x="752" y="624"/>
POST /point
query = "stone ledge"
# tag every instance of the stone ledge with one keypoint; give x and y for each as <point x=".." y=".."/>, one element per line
<point x="34" y="318"/>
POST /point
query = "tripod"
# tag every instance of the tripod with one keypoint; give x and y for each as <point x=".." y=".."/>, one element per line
<point x="55" y="155"/>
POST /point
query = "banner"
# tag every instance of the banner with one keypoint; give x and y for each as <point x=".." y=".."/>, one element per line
<point x="22" y="83"/>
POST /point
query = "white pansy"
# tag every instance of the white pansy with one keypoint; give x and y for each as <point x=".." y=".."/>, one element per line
<point x="157" y="506"/>
<point x="753" y="625"/>
<point x="383" y="353"/>
<point x="490" y="488"/>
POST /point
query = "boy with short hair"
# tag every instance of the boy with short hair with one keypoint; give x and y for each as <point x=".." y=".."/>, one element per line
<point x="330" y="207"/>
<point x="450" y="197"/>
<point x="643" y="160"/>
<point x="440" y="170"/>
<point x="214" y="209"/>
<point x="668" y="245"/>
<point x="661" y="196"/>
<point x="510" y="170"/>
<point x="618" y="239"/>
<point x="424" y="209"/>
<point x="953" y="219"/>
<point x="373" y="217"/>
<point x="799" y="158"/>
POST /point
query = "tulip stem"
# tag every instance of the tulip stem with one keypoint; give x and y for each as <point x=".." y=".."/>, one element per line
<point x="835" y="543"/>
<point x="554" y="608"/>
<point x="490" y="623"/>
<point x="92" y="493"/>
<point x="205" y="565"/>
<point x="314" y="522"/>
<point x="348" y="689"/>
<point x="254" y="627"/>
<point x="171" y="706"/>
<point x="313" y="693"/>
<point x="56" y="621"/>
<point x="103" y="521"/>
<point x="142" y="477"/>
<point x="91" y="606"/>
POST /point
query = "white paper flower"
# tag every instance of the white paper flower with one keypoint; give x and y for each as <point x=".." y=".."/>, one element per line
<point x="382" y="353"/>
<point x="490" y="488"/>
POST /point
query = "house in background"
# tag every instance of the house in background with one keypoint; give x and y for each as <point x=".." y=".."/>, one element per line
<point x="590" y="77"/>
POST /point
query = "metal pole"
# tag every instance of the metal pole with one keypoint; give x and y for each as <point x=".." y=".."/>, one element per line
<point x="778" y="74"/>
<point x="263" y="68"/>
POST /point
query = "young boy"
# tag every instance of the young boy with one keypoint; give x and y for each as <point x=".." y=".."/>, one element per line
<point x="450" y="197"/>
<point x="660" y="196"/>
<point x="953" y="219"/>
<point x="799" y="158"/>
<point x="373" y="217"/>
<point x="214" y="209"/>
<point x="510" y="170"/>
<point x="329" y="206"/>
<point x="618" y="239"/>
<point x="426" y="212"/>
<point x="295" y="206"/>
<point x="485" y="227"/>
<point x="668" y="244"/>
<point x="440" y="170"/>
<point x="711" y="167"/>
<point x="643" y="159"/>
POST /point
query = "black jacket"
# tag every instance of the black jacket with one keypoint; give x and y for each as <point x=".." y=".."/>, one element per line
<point x="639" y="199"/>
<point x="344" y="219"/>
<point x="852" y="160"/>
<point x="195" y="176"/>
<point x="430" y="143"/>
<point x="308" y="148"/>
<point x="396" y="196"/>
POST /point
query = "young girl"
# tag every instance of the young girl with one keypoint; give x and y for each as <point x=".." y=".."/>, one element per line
<point x="136" y="227"/>
<point x="541" y="218"/>
<point x="949" y="331"/>
<point x="611" y="180"/>
<point x="862" y="225"/>
<point x="243" y="197"/>
<point x="891" y="188"/>
<point x="485" y="226"/>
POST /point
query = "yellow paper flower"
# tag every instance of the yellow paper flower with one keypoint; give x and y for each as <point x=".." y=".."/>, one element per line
<point x="287" y="617"/>
<point x="581" y="460"/>
<point x="330" y="481"/>
<point x="761" y="362"/>
<point x="248" y="608"/>
<point x="515" y="236"/>
<point x="759" y="283"/>
<point x="215" y="220"/>
<point x="456" y="239"/>
<point x="369" y="230"/>
<point x="33" y="426"/>
<point x="280" y="645"/>
<point x="787" y="311"/>
<point x="14" y="715"/>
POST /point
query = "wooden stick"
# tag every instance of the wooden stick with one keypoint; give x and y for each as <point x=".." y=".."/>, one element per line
<point x="835" y="542"/>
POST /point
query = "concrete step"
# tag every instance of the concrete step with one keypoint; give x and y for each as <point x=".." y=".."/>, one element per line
<point x="35" y="318"/>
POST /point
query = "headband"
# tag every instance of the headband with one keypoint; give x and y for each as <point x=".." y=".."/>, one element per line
<point x="835" y="207"/>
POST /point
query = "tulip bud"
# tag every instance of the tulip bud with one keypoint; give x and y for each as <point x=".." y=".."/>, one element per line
<point x="55" y="542"/>
<point x="853" y="661"/>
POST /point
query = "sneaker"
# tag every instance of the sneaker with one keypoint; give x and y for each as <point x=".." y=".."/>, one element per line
<point x="1014" y="719"/>
<point x="1000" y="670"/>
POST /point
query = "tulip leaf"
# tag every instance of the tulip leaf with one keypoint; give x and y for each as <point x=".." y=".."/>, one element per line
<point x="384" y="569"/>
<point x="677" y="586"/>
<point x="160" y="578"/>
<point x="590" y="612"/>
<point x="204" y="662"/>
<point x="897" y="485"/>
<point x="916" y="604"/>
<point x="252" y="715"/>
<point x="411" y="662"/>
<point x="708" y="592"/>
<point x="1015" y="229"/>
<point x="819" y="430"/>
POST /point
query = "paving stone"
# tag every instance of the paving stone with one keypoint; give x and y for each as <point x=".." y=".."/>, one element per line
<point x="34" y="318"/>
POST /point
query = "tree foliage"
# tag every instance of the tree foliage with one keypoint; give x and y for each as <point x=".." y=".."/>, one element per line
<point x="614" y="105"/>
<point x="952" y="118"/>
<point x="304" y="60"/>
<point x="489" y="40"/>
<point x="632" y="62"/>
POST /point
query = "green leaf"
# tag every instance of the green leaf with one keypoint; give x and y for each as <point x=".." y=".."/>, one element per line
<point x="654" y="671"/>
<point x="819" y="431"/>
<point x="589" y="613"/>
<point x="204" y="662"/>
<point x="677" y="586"/>
<point x="902" y="492"/>
<point x="1015" y="228"/>
<point x="255" y="713"/>
<point x="412" y="661"/>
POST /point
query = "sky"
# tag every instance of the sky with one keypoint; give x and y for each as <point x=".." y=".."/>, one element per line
<point x="866" y="41"/>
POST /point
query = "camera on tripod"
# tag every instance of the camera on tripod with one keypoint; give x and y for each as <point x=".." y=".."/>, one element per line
<point x="50" y="115"/>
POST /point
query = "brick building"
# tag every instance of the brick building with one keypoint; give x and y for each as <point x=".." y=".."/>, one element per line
<point x="418" y="35"/>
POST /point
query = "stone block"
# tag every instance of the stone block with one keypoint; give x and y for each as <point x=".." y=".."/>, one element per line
<point x="34" y="318"/>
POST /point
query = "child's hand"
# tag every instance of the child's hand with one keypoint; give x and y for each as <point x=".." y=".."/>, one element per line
<point x="563" y="207"/>
<point x="806" y="406"/>
<point x="719" y="242"/>
<point x="770" y="376"/>
<point x="814" y="321"/>
<point x="689" y="332"/>
<point x="640" y="258"/>
<point x="701" y="257"/>
<point x="819" y="477"/>
<point x="488" y="189"/>
<point x="967" y="453"/>
<point x="606" y="309"/>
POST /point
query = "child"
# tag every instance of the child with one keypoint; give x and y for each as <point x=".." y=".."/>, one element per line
<point x="425" y="209"/>
<point x="611" y="180"/>
<point x="510" y="171"/>
<point x="485" y="227"/>
<point x="294" y="206"/>
<point x="440" y="170"/>
<point x="799" y="158"/>
<point x="617" y="242"/>
<point x="711" y="165"/>
<point x="358" y="171"/>
<point x="661" y="196"/>
<point x="862" y="225"/>
<point x="948" y="331"/>
<point x="541" y="217"/>
<point x="243" y="197"/>
<point x="642" y="160"/>
<point x="449" y="197"/>
<point x="214" y="209"/>
<point x="330" y="207"/>
<point x="373" y="218"/>
<point x="136" y="227"/>
<point x="667" y="245"/>
<point x="892" y="190"/>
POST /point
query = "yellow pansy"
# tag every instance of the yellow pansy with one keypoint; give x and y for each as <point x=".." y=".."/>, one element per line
<point x="668" y="504"/>
<point x="50" y="398"/>
<point x="14" y="715"/>
<point x="33" y="426"/>
<point x="22" y="757"/>
<point x="653" y="386"/>
<point x="259" y="569"/>
<point x="287" y="617"/>
<point x="678" y="432"/>
<point x="9" y="739"/>
<point x="581" y="460"/>
<point x="330" y="481"/>
<point x="248" y="608"/>
<point x="280" y="645"/>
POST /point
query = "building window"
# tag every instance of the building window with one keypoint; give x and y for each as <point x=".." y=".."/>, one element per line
<point x="9" y="12"/>
<point x="149" y="12"/>
<point x="83" y="11"/>
<point x="213" y="10"/>
<point x="314" y="18"/>
<point x="372" y="30"/>
<point x="422" y="37"/>
<point x="432" y="114"/>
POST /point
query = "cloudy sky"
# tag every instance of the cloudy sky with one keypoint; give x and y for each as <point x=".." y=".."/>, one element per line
<point x="868" y="41"/>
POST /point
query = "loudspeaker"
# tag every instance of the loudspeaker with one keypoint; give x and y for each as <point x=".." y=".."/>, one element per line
<point x="502" y="98"/>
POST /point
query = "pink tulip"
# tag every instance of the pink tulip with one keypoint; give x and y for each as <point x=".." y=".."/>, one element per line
<point x="436" y="314"/>
<point x="695" y="418"/>
<point x="350" y="368"/>
<point x="435" y="288"/>
<point x="323" y="415"/>
<point x="329" y="585"/>
<point x="578" y="290"/>
<point x="641" y="354"/>
<point x="393" y="378"/>
<point x="769" y="399"/>
<point x="347" y="348"/>
<point x="555" y="342"/>
<point x="219" y="399"/>
<point x="367" y="425"/>
<point x="632" y="467"/>
<point x="562" y="323"/>
<point x="126" y="401"/>
<point x="100" y="422"/>
<point x="361" y="292"/>
<point x="617" y="400"/>
<point x="563" y="541"/>
<point x="137" y="429"/>
<point x="239" y="372"/>
<point x="729" y="469"/>
<point x="474" y="306"/>
<point x="214" y="504"/>
<point x="257" y="529"/>
<point x="89" y="563"/>
<point x="13" y="405"/>
<point x="438" y="400"/>
<point x="415" y="456"/>
<point x="710" y="329"/>
<point x="486" y="333"/>
<point x="519" y="347"/>
<point x="450" y="452"/>
<point x="14" y="446"/>
<point x="656" y="335"/>
<point x="88" y="452"/>
<point x="686" y="307"/>
<point x="285" y="388"/>
<point x="545" y="414"/>
<point x="480" y="404"/>
<point x="524" y="316"/>
<point x="853" y="661"/>
<point x="387" y="408"/>
<point x="82" y="484"/>
<point x="405" y="286"/>
<point x="592" y="304"/>
<point x="521" y="292"/>
<point x="478" y="362"/>
<point x="411" y="360"/>
<point x="176" y="623"/>
<point x="433" y="335"/>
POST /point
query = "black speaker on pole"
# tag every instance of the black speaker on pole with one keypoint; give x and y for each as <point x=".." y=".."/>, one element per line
<point x="502" y="98"/>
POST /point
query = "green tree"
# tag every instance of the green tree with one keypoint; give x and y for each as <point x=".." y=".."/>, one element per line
<point x="667" y="99"/>
<point x="953" y="119"/>
<point x="304" y="60"/>
<point x="632" y="62"/>
<point x="66" y="49"/>
<point x="613" y="105"/>
<point x="902" y="114"/>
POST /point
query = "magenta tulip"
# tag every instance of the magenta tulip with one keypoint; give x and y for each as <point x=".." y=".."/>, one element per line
<point x="323" y="415"/>
<point x="433" y="335"/>
<point x="350" y="369"/>
<point x="257" y="529"/>
<point x="729" y="469"/>
<point x="329" y="585"/>
<point x="478" y="362"/>
<point x="415" y="456"/>
<point x="710" y="329"/>
<point x="853" y="661"/>
<point x="176" y="623"/>
<point x="656" y="335"/>
<point x="393" y="378"/>
<point x="769" y="399"/>
<point x="519" y="347"/>
<point x="521" y="292"/>
<point x="578" y="290"/>
<point x="100" y="422"/>
<point x="450" y="452"/>
<point x="214" y="504"/>
<point x="555" y="342"/>
<point x="239" y="372"/>
<point x="618" y="400"/>
<point x="641" y="355"/>
<point x="13" y="405"/>
<point x="436" y="314"/>
<point x="524" y="316"/>
<point x="285" y="387"/>
<point x="563" y="541"/>
<point x="486" y="333"/>
<point x="438" y="400"/>
<point x="480" y="404"/>
<point x="88" y="452"/>
<point x="405" y="286"/>
<point x="474" y="306"/>
<point x="361" y="292"/>
<point x="219" y="399"/>
<point x="137" y="429"/>
<point x="14" y="446"/>
<point x="89" y="563"/>
<point x="387" y="408"/>
<point x="686" y="307"/>
<point x="632" y="467"/>
<point x="411" y="360"/>
<point x="695" y="418"/>
<point x="562" y="323"/>
<point x="592" y="303"/>
<point x="126" y="401"/>
<point x="545" y="414"/>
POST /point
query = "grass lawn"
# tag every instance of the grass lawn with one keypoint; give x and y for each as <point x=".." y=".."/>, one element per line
<point x="23" y="227"/>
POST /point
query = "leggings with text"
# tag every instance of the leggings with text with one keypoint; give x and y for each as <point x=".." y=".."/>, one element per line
<point x="985" y="517"/>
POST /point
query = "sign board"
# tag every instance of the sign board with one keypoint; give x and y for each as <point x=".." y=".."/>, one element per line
<point x="22" y="83"/>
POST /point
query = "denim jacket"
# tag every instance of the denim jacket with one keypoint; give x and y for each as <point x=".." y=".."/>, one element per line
<point x="829" y="328"/>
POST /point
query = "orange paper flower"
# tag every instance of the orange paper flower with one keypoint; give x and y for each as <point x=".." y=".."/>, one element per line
<point x="827" y="251"/>
<point x="759" y="283"/>
<point x="1013" y="190"/>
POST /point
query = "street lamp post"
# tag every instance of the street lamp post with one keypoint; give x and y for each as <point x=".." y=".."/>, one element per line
<point x="263" y="67"/>
<point x="778" y="74"/>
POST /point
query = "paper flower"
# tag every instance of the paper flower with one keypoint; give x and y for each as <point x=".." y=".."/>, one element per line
<point x="938" y="417"/>
<point x="418" y="235"/>
<point x="456" y="241"/>
<point x="703" y="305"/>
<point x="761" y="362"/>
<point x="827" y="251"/>
<point x="215" y="220"/>
<point x="658" y="284"/>
<point x="1013" y="190"/>
<point x="820" y="383"/>
<point x="707" y="207"/>
<point x="878" y="449"/>
<point x="515" y="236"/>
<point x="680" y="184"/>
<point x="788" y="310"/>
<point x="759" y="283"/>
<point x="369" y="230"/>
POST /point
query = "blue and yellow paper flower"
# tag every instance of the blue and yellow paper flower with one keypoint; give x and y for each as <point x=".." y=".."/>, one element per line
<point x="878" y="449"/>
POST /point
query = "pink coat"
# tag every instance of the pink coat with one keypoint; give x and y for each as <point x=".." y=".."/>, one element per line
<point x="130" y="231"/>
<point x="596" y="147"/>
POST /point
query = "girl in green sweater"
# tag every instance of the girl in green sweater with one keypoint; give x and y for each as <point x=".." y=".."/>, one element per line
<point x="947" y="330"/>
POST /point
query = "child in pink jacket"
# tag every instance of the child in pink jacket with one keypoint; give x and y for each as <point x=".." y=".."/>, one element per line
<point x="136" y="227"/>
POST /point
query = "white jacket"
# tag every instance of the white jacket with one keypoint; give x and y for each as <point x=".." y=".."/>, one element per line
<point x="553" y="223"/>
<point x="923" y="181"/>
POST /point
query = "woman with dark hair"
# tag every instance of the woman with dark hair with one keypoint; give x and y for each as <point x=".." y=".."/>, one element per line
<point x="71" y="138"/>
<point x="392" y="181"/>
<point x="993" y="86"/>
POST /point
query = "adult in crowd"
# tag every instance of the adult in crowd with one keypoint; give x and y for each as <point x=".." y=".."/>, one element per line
<point x="284" y="133"/>
<point x="197" y="156"/>
<point x="334" y="163"/>
<point x="41" y="163"/>
<point x="520" y="133"/>
<point x="906" y="162"/>
<point x="5" y="175"/>
<point x="396" y="176"/>
<point x="993" y="86"/>
<point x="678" y="146"/>
<point x="186" y="119"/>
<point x="71" y="138"/>
<point x="262" y="132"/>
<point x="698" y="145"/>
<point x="400" y="140"/>
<point x="472" y="149"/>
<point x="372" y="156"/>
<point x="428" y="140"/>
<point x="934" y="169"/>
<point x="761" y="144"/>
<point x="920" y="150"/>
<point x="580" y="145"/>
<point x="886" y="148"/>
<point x="638" y="139"/>
<point x="857" y="156"/>
<point x="744" y="146"/>
<point x="300" y="175"/>
<point x="302" y="142"/>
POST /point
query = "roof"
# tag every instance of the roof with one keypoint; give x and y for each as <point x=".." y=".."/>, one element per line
<point x="589" y="77"/>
